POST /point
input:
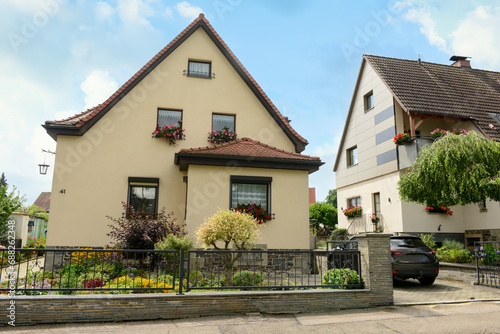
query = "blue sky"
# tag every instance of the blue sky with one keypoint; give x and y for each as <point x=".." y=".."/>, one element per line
<point x="59" y="57"/>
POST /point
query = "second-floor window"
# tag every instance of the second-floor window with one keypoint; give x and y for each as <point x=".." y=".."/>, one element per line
<point x="352" y="156"/>
<point x="220" y="121"/>
<point x="168" y="117"/>
<point x="200" y="69"/>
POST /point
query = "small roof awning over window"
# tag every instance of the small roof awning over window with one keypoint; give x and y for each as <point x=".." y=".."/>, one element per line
<point x="246" y="152"/>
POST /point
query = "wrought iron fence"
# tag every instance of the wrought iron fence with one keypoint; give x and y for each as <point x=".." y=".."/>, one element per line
<point x="41" y="271"/>
<point x="488" y="262"/>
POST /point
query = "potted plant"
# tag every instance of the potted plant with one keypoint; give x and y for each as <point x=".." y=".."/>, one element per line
<point x="171" y="133"/>
<point x="402" y="138"/>
<point x="353" y="211"/>
<point x="441" y="209"/>
<point x="375" y="219"/>
<point x="438" y="133"/>
<point x="221" y="136"/>
<point x="255" y="210"/>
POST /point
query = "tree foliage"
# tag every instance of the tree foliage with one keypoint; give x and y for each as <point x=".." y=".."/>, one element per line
<point x="331" y="198"/>
<point x="454" y="170"/>
<point x="323" y="213"/>
<point x="34" y="210"/>
<point x="136" y="230"/>
<point x="3" y="181"/>
<point x="9" y="202"/>
<point x="232" y="228"/>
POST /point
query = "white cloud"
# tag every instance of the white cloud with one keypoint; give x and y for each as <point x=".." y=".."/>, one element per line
<point x="187" y="10"/>
<point x="477" y="37"/>
<point x="104" y="10"/>
<point x="98" y="86"/>
<point x="134" y="11"/>
<point x="169" y="13"/>
<point x="427" y="27"/>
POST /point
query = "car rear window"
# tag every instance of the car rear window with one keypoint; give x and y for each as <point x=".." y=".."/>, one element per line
<point x="408" y="242"/>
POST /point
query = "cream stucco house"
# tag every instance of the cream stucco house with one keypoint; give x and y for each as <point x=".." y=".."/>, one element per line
<point x="106" y="155"/>
<point x="394" y="96"/>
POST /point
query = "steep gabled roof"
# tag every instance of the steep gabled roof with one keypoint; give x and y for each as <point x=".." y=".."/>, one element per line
<point x="430" y="89"/>
<point x="245" y="152"/>
<point x="43" y="201"/>
<point x="443" y="90"/>
<point x="80" y="123"/>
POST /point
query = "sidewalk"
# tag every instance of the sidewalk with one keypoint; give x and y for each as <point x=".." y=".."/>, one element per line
<point x="444" y="307"/>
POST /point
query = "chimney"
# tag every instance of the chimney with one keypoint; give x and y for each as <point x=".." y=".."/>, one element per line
<point x="461" y="61"/>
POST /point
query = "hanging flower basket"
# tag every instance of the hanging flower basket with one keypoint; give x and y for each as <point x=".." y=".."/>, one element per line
<point x="171" y="133"/>
<point x="353" y="211"/>
<point x="443" y="209"/>
<point x="254" y="210"/>
<point x="402" y="138"/>
<point x="221" y="136"/>
<point x="374" y="218"/>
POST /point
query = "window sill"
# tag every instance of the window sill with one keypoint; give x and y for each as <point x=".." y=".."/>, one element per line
<point x="369" y="109"/>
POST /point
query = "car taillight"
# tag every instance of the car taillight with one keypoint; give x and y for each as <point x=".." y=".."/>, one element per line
<point x="432" y="251"/>
<point x="393" y="252"/>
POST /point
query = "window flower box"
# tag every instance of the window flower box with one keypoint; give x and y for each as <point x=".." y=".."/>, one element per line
<point x="221" y="136"/>
<point x="443" y="209"/>
<point x="254" y="210"/>
<point x="353" y="211"/>
<point x="171" y="133"/>
<point x="402" y="138"/>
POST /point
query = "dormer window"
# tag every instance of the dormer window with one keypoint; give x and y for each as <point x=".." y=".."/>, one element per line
<point x="199" y="69"/>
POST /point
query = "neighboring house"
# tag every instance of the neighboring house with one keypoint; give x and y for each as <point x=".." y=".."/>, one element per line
<point x="394" y="96"/>
<point x="43" y="201"/>
<point x="28" y="226"/>
<point x="106" y="155"/>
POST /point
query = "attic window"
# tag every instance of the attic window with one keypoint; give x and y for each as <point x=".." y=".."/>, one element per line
<point x="220" y="121"/>
<point x="352" y="156"/>
<point x="168" y="117"/>
<point x="199" y="69"/>
<point x="368" y="98"/>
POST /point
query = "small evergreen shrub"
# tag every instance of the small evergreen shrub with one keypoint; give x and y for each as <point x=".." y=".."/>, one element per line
<point x="453" y="244"/>
<point x="341" y="277"/>
<point x="340" y="234"/>
<point x="247" y="278"/>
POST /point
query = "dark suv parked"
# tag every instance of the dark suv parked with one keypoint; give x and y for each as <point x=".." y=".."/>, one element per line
<point x="412" y="258"/>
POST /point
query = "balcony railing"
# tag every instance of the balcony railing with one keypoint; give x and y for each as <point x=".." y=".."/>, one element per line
<point x="409" y="151"/>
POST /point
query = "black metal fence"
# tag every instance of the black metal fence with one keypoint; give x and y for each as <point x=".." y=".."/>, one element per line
<point x="41" y="271"/>
<point x="488" y="263"/>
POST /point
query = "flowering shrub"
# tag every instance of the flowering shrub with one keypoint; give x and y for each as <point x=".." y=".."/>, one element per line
<point x="254" y="210"/>
<point x="353" y="211"/>
<point x="374" y="218"/>
<point x="221" y="136"/>
<point x="170" y="132"/>
<point x="488" y="255"/>
<point x="401" y="138"/>
<point x="95" y="283"/>
<point x="35" y="243"/>
<point x="442" y="209"/>
<point x="229" y="227"/>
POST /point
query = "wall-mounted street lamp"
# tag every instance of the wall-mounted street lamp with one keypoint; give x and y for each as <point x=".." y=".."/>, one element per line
<point x="42" y="168"/>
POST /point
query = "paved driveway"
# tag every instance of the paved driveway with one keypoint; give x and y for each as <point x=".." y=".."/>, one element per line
<point x="412" y="292"/>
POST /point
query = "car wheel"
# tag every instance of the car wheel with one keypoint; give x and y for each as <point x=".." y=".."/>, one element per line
<point x="427" y="280"/>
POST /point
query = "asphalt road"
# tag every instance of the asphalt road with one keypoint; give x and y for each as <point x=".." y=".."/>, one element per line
<point x="444" y="307"/>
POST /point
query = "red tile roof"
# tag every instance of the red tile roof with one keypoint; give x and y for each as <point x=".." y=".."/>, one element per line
<point x="246" y="147"/>
<point x="83" y="121"/>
